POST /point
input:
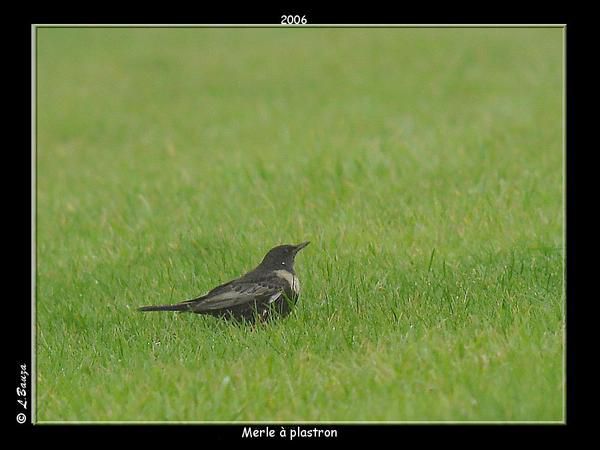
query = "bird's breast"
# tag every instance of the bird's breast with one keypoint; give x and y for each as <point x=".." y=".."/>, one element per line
<point x="291" y="279"/>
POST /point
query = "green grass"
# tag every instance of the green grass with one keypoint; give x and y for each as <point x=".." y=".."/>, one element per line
<point x="425" y="165"/>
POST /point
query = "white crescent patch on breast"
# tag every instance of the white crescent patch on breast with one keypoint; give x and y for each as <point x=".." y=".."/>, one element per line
<point x="292" y="280"/>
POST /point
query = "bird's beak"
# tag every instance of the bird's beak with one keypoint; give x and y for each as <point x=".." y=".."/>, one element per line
<point x="301" y="246"/>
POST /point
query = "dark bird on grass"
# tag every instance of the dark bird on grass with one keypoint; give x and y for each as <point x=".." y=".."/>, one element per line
<point x="270" y="290"/>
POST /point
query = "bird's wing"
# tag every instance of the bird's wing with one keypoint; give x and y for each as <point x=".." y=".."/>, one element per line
<point x="237" y="293"/>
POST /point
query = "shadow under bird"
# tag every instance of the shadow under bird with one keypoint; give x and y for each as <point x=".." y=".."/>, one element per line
<point x="269" y="290"/>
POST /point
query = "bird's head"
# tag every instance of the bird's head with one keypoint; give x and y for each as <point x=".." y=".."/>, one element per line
<point x="282" y="257"/>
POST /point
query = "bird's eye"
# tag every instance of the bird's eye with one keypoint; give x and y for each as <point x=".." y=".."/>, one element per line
<point x="283" y="263"/>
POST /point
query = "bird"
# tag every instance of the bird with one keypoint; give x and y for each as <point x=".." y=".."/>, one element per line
<point x="268" y="291"/>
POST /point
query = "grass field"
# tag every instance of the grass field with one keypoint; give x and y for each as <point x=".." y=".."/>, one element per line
<point x="425" y="165"/>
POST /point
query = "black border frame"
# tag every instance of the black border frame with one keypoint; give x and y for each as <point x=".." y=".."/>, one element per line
<point x="20" y="267"/>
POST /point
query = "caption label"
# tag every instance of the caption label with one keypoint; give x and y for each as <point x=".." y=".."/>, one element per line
<point x="290" y="433"/>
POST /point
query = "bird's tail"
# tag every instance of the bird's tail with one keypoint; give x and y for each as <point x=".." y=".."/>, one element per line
<point x="175" y="307"/>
